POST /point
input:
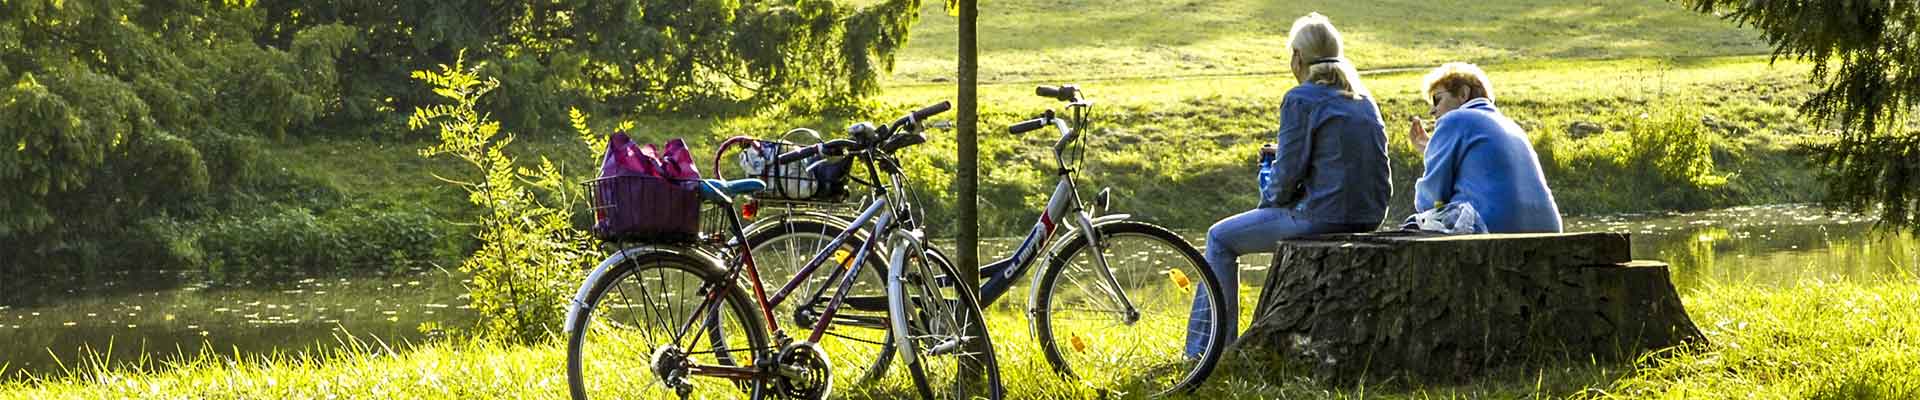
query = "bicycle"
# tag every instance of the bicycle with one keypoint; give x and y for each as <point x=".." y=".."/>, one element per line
<point x="708" y="325"/>
<point x="1109" y="291"/>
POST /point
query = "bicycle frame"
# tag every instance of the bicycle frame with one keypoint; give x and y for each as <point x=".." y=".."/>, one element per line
<point x="1064" y="203"/>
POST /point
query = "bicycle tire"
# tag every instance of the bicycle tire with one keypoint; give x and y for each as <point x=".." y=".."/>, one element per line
<point x="1056" y="311"/>
<point x="584" y="349"/>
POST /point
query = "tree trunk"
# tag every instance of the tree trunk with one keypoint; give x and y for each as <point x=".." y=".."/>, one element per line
<point x="966" y="179"/>
<point x="1451" y="307"/>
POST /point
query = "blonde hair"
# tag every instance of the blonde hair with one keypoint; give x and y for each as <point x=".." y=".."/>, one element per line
<point x="1316" y="43"/>
<point x="1463" y="79"/>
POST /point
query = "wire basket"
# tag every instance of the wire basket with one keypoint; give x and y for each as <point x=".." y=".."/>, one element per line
<point x="645" y="208"/>
<point x="814" y="178"/>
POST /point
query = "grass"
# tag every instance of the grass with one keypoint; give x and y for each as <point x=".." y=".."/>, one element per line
<point x="1180" y="152"/>
<point x="1814" y="340"/>
<point x="1187" y="91"/>
<point x="1088" y="39"/>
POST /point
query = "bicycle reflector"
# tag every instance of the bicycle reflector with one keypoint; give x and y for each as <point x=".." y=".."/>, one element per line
<point x="752" y="208"/>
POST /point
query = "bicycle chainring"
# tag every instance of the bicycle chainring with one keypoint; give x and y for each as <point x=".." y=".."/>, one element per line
<point x="804" y="372"/>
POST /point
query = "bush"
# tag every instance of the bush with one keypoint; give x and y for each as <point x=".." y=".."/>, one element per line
<point x="292" y="241"/>
<point x="287" y="242"/>
<point x="1657" y="158"/>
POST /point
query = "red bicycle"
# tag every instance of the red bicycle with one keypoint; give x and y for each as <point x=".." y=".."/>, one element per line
<point x="694" y="315"/>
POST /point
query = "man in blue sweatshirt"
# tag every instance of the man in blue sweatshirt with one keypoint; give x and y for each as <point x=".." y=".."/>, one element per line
<point x="1479" y="157"/>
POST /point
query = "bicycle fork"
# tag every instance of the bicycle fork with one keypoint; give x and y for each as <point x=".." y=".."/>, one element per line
<point x="1112" y="284"/>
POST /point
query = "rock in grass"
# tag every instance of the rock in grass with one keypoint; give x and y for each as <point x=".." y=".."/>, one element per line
<point x="1451" y="307"/>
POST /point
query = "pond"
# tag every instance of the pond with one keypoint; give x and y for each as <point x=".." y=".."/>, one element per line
<point x="159" y="316"/>
<point x="148" y="317"/>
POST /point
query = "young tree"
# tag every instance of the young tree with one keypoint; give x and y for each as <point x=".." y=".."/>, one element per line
<point x="1866" y="58"/>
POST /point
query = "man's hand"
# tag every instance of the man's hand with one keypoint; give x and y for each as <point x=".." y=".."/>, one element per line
<point x="1417" y="134"/>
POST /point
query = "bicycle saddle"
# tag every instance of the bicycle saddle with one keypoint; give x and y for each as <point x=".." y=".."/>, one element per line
<point x="716" y="190"/>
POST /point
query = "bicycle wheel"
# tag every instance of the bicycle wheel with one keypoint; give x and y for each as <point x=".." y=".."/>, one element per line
<point x="862" y="344"/>
<point x="1087" y="333"/>
<point x="939" y="324"/>
<point x="642" y="326"/>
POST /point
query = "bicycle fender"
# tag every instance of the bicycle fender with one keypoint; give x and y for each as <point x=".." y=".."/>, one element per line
<point x="811" y="216"/>
<point x="579" y="300"/>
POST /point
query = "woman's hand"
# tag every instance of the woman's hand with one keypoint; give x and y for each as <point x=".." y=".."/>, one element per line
<point x="1417" y="134"/>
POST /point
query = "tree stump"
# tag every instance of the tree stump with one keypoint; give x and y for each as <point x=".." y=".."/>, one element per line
<point x="1450" y="307"/>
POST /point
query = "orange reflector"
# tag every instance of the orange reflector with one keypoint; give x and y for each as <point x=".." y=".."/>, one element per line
<point x="1180" y="279"/>
<point x="1078" y="343"/>
<point x="843" y="257"/>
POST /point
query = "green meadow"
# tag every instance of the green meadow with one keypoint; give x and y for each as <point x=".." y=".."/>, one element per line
<point x="1817" y="340"/>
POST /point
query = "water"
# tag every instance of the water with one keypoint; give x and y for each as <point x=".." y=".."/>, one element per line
<point x="159" y="315"/>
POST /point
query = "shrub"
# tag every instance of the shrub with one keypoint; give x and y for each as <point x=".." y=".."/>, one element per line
<point x="529" y="251"/>
<point x="286" y="242"/>
<point x="292" y="241"/>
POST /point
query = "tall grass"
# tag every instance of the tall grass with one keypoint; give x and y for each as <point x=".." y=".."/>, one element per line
<point x="1812" y="340"/>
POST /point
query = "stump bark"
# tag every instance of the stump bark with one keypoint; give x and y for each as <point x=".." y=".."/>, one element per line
<point x="1450" y="307"/>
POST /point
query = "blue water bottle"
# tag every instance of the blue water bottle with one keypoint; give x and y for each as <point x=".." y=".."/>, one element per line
<point x="1266" y="165"/>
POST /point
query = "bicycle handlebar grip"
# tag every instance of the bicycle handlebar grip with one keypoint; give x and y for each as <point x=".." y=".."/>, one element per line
<point x="932" y="110"/>
<point x="836" y="147"/>
<point x="798" y="155"/>
<point x="1028" y="125"/>
<point x="1062" y="93"/>
<point x="916" y="116"/>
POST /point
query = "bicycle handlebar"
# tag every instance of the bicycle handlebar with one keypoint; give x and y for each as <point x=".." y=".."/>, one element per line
<point x="839" y="147"/>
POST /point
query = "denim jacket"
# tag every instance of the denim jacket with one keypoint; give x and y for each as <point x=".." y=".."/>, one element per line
<point x="1331" y="161"/>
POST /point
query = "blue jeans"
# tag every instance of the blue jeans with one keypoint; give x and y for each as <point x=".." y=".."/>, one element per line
<point x="1257" y="231"/>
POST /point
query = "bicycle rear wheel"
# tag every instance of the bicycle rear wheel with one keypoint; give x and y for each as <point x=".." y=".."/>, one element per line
<point x="1088" y="333"/>
<point x="652" y="315"/>
<point x="939" y="325"/>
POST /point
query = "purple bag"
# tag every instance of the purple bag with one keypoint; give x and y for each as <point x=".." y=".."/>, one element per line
<point x="645" y="193"/>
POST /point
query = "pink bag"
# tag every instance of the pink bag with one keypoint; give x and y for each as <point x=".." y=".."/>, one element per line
<point x="646" y="193"/>
<point x="677" y="162"/>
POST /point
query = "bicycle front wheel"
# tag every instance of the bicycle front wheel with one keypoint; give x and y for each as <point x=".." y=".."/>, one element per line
<point x="651" y="320"/>
<point x="1138" y="332"/>
<point x="941" y="331"/>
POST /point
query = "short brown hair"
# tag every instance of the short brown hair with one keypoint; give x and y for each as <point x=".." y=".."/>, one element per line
<point x="1461" y="78"/>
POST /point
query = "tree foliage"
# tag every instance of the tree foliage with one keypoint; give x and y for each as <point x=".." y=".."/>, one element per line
<point x="113" y="112"/>
<point x="1866" y="57"/>
<point x="613" y="55"/>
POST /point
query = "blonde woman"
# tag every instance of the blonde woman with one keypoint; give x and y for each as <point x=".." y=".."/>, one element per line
<point x="1330" y="172"/>
<point x="1479" y="157"/>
